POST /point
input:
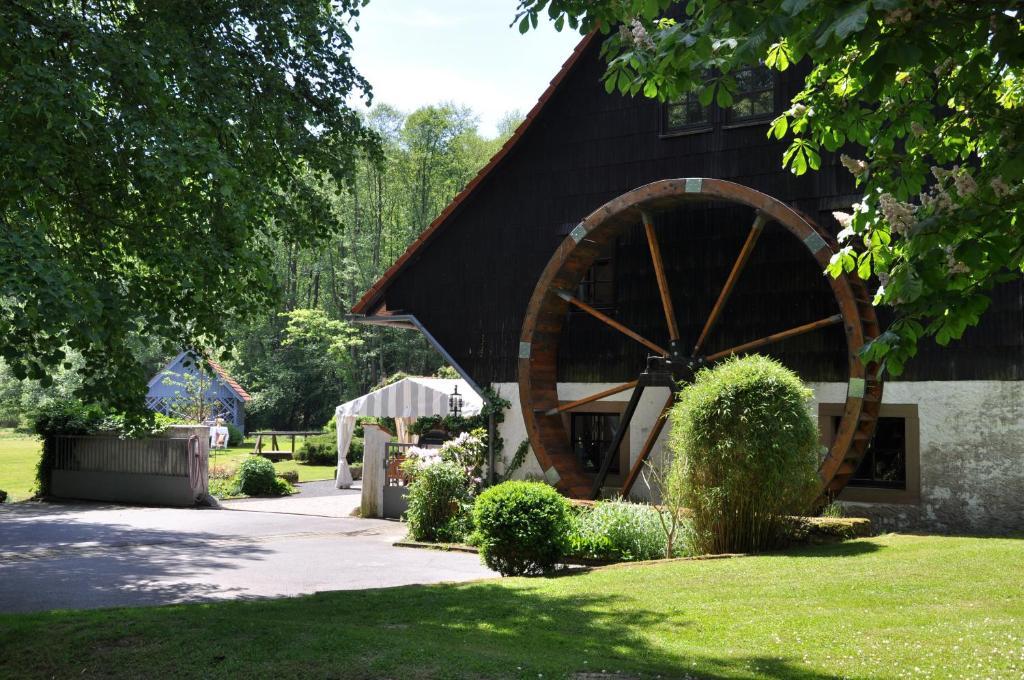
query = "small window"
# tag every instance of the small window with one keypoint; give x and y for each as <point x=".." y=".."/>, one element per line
<point x="890" y="471"/>
<point x="592" y="434"/>
<point x="753" y="101"/>
<point x="755" y="95"/>
<point x="597" y="288"/>
<point x="686" y="114"/>
<point x="885" y="462"/>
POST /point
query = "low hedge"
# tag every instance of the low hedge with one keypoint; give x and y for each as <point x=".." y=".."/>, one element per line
<point x="322" y="449"/>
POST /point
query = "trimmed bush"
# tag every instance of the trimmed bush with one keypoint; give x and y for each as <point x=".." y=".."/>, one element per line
<point x="3" y="496"/>
<point x="290" y="476"/>
<point x="355" y="451"/>
<point x="235" y="436"/>
<point x="256" y="477"/>
<point x="749" y="453"/>
<point x="522" y="527"/>
<point x="618" y="531"/>
<point x="439" y="504"/>
<point x="318" y="450"/>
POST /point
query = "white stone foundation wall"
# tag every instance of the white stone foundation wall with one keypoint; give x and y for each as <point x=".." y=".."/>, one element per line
<point x="971" y="450"/>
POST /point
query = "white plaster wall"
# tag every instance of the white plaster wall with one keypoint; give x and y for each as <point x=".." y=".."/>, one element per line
<point x="972" y="454"/>
<point x="971" y="457"/>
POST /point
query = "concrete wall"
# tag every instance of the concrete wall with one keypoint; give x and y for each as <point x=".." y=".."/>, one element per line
<point x="971" y="437"/>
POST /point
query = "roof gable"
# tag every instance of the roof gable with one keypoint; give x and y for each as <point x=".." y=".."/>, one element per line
<point x="368" y="304"/>
<point x="222" y="375"/>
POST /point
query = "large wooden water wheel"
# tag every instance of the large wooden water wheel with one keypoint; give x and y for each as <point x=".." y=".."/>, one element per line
<point x="678" y="360"/>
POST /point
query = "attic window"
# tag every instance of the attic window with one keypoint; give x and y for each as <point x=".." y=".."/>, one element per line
<point x="753" y="102"/>
<point x="686" y="114"/>
<point x="755" y="96"/>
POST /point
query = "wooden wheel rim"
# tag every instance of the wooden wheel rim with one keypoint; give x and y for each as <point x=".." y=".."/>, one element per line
<point x="546" y="313"/>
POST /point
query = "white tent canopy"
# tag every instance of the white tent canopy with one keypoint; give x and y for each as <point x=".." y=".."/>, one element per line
<point x="405" y="401"/>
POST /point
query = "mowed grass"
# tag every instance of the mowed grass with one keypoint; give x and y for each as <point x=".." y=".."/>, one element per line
<point x="231" y="458"/>
<point x="19" y="455"/>
<point x="887" y="607"/>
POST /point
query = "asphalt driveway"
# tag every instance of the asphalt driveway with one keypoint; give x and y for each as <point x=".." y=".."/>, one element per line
<point x="84" y="555"/>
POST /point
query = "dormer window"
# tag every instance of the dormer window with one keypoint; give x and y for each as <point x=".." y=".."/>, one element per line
<point x="753" y="102"/>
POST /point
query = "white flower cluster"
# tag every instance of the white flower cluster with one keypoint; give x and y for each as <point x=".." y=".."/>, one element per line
<point x="855" y="166"/>
<point x="898" y="16"/>
<point x="898" y="214"/>
<point x="636" y="34"/>
<point x="954" y="265"/>
<point x="423" y="458"/>
<point x="999" y="187"/>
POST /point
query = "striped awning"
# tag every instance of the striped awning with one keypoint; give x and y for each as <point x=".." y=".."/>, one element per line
<point x="412" y="398"/>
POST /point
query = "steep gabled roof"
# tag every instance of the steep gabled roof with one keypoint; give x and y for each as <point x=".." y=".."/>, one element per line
<point x="216" y="368"/>
<point x="368" y="303"/>
<point x="229" y="381"/>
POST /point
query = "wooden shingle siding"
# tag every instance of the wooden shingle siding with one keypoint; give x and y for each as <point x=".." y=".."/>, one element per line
<point x="470" y="284"/>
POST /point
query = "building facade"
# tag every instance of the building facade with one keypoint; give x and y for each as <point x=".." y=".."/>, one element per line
<point x="948" y="447"/>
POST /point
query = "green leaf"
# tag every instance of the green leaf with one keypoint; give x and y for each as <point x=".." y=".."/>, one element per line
<point x="851" y="21"/>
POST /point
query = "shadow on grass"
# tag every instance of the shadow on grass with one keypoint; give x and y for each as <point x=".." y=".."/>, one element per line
<point x="511" y="628"/>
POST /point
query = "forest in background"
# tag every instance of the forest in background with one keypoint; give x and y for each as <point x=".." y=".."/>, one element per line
<point x="300" y="358"/>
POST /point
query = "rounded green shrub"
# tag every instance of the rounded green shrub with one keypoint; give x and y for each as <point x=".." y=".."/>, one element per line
<point x="256" y="477"/>
<point x="522" y="527"/>
<point x="618" y="531"/>
<point x="439" y="504"/>
<point x="748" y="448"/>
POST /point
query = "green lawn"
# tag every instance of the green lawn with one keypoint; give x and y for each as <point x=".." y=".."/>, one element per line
<point x="18" y="457"/>
<point x="20" y="453"/>
<point x="231" y="458"/>
<point x="894" y="606"/>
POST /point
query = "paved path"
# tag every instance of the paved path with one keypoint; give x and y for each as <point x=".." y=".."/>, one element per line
<point x="319" y="499"/>
<point x="83" y="555"/>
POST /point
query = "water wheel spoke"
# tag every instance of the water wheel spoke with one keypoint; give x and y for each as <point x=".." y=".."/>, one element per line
<point x="659" y="273"/>
<point x="613" y="448"/>
<point x="593" y="397"/>
<point x="611" y="322"/>
<point x="652" y="439"/>
<point x="741" y="261"/>
<point x="777" y="337"/>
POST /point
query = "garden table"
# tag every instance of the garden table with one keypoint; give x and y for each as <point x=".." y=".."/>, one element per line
<point x="275" y="453"/>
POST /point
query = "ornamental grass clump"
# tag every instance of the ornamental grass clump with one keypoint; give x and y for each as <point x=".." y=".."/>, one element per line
<point x="618" y="531"/>
<point x="749" y="453"/>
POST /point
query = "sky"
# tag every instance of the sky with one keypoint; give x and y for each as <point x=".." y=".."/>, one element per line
<point x="419" y="52"/>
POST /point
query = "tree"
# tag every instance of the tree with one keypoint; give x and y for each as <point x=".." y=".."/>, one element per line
<point x="926" y="97"/>
<point x="299" y="382"/>
<point x="151" y="154"/>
